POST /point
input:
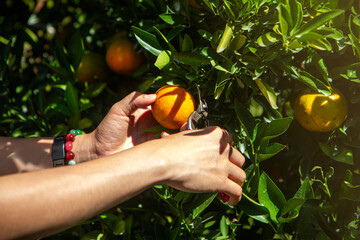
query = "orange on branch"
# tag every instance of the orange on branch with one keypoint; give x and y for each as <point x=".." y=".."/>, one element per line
<point x="92" y="67"/>
<point x="320" y="113"/>
<point x="122" y="57"/>
<point x="173" y="106"/>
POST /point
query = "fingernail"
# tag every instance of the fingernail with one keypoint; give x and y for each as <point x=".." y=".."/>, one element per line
<point x="224" y="197"/>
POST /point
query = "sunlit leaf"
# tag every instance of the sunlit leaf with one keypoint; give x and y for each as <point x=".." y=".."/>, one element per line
<point x="225" y="39"/>
<point x="270" y="196"/>
<point x="147" y="40"/>
<point x="268" y="93"/>
<point x="163" y="59"/>
<point x="317" y="22"/>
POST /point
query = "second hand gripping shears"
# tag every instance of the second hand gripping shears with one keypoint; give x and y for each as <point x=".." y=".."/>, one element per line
<point x="199" y="119"/>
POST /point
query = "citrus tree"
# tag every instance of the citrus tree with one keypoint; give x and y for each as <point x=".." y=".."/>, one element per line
<point x="281" y="75"/>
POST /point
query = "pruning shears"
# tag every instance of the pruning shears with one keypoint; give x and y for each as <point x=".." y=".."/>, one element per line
<point x="198" y="118"/>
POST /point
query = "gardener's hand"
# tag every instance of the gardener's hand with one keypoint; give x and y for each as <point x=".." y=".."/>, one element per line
<point x="123" y="126"/>
<point x="204" y="161"/>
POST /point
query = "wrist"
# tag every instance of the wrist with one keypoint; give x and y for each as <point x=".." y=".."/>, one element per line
<point x="84" y="148"/>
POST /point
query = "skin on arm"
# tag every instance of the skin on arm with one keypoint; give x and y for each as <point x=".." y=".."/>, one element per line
<point x="122" y="128"/>
<point x="65" y="196"/>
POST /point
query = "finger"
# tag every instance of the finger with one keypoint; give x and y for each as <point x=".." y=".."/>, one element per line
<point x="234" y="191"/>
<point x="236" y="157"/>
<point x="134" y="101"/>
<point x="236" y="174"/>
<point x="227" y="136"/>
<point x="164" y="134"/>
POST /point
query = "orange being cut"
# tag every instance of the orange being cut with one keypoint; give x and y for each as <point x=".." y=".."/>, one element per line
<point x="320" y="113"/>
<point x="173" y="106"/>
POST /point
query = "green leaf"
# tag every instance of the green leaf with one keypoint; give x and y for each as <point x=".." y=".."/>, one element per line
<point x="270" y="196"/>
<point x="344" y="156"/>
<point x="172" y="18"/>
<point x="251" y="207"/>
<point x="277" y="127"/>
<point x="224" y="228"/>
<point x="291" y="205"/>
<point x="61" y="54"/>
<point x="285" y="20"/>
<point x="95" y="89"/>
<point x="264" y="103"/>
<point x="317" y="22"/>
<point x="267" y="39"/>
<point x="147" y="40"/>
<point x="262" y="218"/>
<point x="246" y="119"/>
<point x="163" y="41"/>
<point x="310" y="36"/>
<point x="270" y="151"/>
<point x="200" y="208"/>
<point x="320" y="44"/>
<point x="305" y="191"/>
<point x="313" y="83"/>
<point x="31" y="35"/>
<point x="205" y="34"/>
<point x="174" y="32"/>
<point x="289" y="217"/>
<point x="71" y="98"/>
<point x="163" y="59"/>
<point x="76" y="49"/>
<point x="296" y="15"/>
<point x="225" y="39"/>
<point x="61" y="108"/>
<point x="192" y="59"/>
<point x="268" y="92"/>
<point x="187" y="44"/>
<point x="237" y="42"/>
<point x="350" y="186"/>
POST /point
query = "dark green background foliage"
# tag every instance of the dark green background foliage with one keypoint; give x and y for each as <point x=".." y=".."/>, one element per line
<point x="250" y="59"/>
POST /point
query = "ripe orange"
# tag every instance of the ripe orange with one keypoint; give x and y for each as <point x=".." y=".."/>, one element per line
<point x="320" y="113"/>
<point x="173" y="106"/>
<point x="121" y="56"/>
<point x="92" y="66"/>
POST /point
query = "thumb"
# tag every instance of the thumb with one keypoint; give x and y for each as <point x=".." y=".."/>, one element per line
<point x="134" y="101"/>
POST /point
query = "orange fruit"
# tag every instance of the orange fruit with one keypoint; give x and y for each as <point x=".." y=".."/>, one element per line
<point x="121" y="56"/>
<point x="173" y="106"/>
<point x="320" y="113"/>
<point x="92" y="67"/>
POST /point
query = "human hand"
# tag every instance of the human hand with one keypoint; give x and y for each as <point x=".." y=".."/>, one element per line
<point x="123" y="126"/>
<point x="204" y="161"/>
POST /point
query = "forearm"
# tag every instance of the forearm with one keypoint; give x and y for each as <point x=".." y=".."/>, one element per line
<point x="24" y="154"/>
<point x="30" y="154"/>
<point x="72" y="194"/>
